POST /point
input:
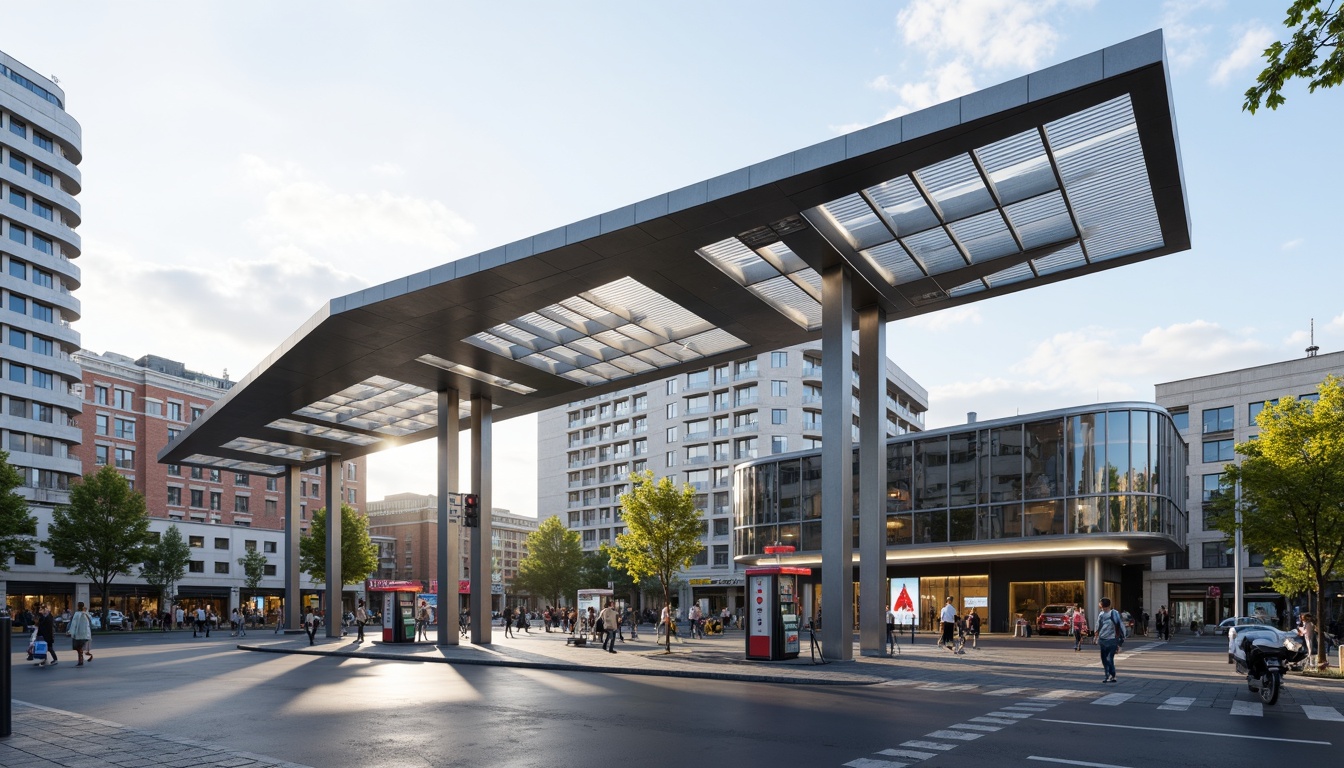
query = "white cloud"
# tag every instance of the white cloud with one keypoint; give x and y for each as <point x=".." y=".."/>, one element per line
<point x="946" y="82"/>
<point x="1244" y="54"/>
<point x="990" y="33"/>
<point x="946" y="319"/>
<point x="1291" y="244"/>
<point x="391" y="170"/>
<point x="1187" y="42"/>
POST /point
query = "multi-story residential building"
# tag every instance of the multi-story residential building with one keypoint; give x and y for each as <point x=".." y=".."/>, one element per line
<point x="1214" y="413"/>
<point x="406" y="526"/>
<point x="39" y="179"/>
<point x="694" y="428"/>
<point x="131" y="410"/>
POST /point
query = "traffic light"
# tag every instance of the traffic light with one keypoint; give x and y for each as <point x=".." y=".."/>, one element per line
<point x="471" y="510"/>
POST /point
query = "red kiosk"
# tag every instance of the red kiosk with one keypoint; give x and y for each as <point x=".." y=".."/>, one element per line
<point x="772" y="609"/>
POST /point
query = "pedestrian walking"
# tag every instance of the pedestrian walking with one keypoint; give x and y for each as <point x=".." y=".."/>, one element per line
<point x="235" y="623"/>
<point x="46" y="630"/>
<point x="891" y="630"/>
<point x="310" y="622"/>
<point x="81" y="632"/>
<point x="1077" y="626"/>
<point x="200" y="625"/>
<point x="1110" y="629"/>
<point x="609" y="621"/>
<point x="507" y="616"/>
<point x="1163" y="623"/>
<point x="973" y="628"/>
<point x="422" y="621"/>
<point x="361" y="618"/>
<point x="949" y="619"/>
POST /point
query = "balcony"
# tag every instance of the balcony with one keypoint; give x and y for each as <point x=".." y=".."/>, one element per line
<point x="696" y="460"/>
<point x="696" y="410"/>
<point x="811" y="399"/>
<point x="745" y="428"/>
<point x="694" y="436"/>
<point x="750" y="373"/>
<point x="811" y="372"/>
<point x="744" y="402"/>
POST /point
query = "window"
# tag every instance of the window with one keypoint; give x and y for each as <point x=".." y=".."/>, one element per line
<point x="1217" y="554"/>
<point x="18" y="200"/>
<point x="125" y="458"/>
<point x="350" y="472"/>
<point x="43" y="346"/>
<point x="153" y="407"/>
<point x="697" y="379"/>
<point x="100" y="454"/>
<point x="240" y="478"/>
<point x="268" y="569"/>
<point x="671" y="410"/>
<point x="174" y="496"/>
<point x="100" y="424"/>
<point x="173" y="433"/>
<point x="671" y="386"/>
<point x="18" y="304"/>
<point x="18" y="338"/>
<point x="270" y="506"/>
<point x="779" y="415"/>
<point x="1212" y="487"/>
<point x="196" y="413"/>
<point x="222" y="567"/>
<point x="721" y="553"/>
<point x="197" y="473"/>
<point x="42" y="210"/>
<point x="240" y="504"/>
<point x="175" y="470"/>
<point x="779" y="444"/>
<point x="1178" y="560"/>
<point x="350" y="495"/>
<point x="779" y="359"/>
<point x="18" y="373"/>
<point x="268" y="547"/>
<point x="44" y="141"/>
<point x="197" y="498"/>
<point x="17" y="268"/>
<point x="1217" y="450"/>
<point x="43" y="312"/>
<point x="779" y="388"/>
<point x="175" y="411"/>
<point x="1254" y="409"/>
<point x="43" y="244"/>
<point x="18" y="127"/>
<point x="216" y="501"/>
<point x="125" y="429"/>
<point x="670" y="459"/>
<point x="250" y="545"/>
<point x="1218" y="419"/>
<point x="270" y="483"/>
<point x="41" y="175"/>
<point x="100" y="395"/>
<point x="196" y="566"/>
<point x="18" y="163"/>
<point x="123" y="399"/>
<point x="671" y="434"/>
<point x="720" y="526"/>
<point x="214" y="475"/>
<point x="221" y="543"/>
<point x="196" y="542"/>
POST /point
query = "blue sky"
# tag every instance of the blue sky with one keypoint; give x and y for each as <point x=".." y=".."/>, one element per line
<point x="247" y="161"/>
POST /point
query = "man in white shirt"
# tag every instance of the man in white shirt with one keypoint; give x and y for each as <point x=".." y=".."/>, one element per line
<point x="891" y="630"/>
<point x="949" y="619"/>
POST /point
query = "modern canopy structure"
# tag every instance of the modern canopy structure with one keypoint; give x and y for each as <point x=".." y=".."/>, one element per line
<point x="1061" y="173"/>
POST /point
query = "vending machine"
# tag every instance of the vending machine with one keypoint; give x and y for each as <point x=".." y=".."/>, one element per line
<point x="773" y="613"/>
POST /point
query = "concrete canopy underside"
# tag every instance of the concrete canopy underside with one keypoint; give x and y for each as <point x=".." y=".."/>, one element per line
<point x="1054" y="175"/>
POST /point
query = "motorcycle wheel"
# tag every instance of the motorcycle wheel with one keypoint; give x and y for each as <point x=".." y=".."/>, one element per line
<point x="1269" y="687"/>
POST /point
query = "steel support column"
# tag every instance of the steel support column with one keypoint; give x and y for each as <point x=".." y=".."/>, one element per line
<point x="335" y="584"/>
<point x="837" y="470"/>
<point x="1092" y="589"/>
<point x="448" y="532"/>
<point x="480" y="536"/>
<point x="292" y="615"/>
<point x="873" y="591"/>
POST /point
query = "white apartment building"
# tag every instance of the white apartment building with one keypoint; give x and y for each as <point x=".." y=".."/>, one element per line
<point x="694" y="428"/>
<point x="1214" y="413"/>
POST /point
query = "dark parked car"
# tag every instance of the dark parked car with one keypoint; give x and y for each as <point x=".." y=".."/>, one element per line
<point x="1054" y="618"/>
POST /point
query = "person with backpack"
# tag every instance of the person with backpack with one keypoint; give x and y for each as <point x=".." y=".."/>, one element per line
<point x="1110" y="629"/>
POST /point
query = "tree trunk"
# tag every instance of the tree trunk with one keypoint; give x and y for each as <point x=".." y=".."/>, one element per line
<point x="667" y="630"/>
<point x="1321" y="659"/>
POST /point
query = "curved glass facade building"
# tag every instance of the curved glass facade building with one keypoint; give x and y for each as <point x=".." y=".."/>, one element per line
<point x="1031" y="498"/>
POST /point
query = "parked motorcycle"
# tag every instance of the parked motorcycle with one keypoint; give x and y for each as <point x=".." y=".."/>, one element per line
<point x="1263" y="654"/>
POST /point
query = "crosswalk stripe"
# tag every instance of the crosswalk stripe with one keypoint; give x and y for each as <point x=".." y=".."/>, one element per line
<point x="991" y="720"/>
<point x="868" y="762"/>
<point x="947" y="687"/>
<point x="958" y="735"/>
<point x="1177" y="703"/>
<point x="1113" y="699"/>
<point x="1248" y="708"/>
<point x="1063" y="693"/>
<point x="1006" y="691"/>
<point x="928" y="745"/>
<point x="1322" y="713"/>
<point x="1001" y="713"/>
<point x="1025" y="708"/>
<point x="974" y="727"/>
<point x="910" y="753"/>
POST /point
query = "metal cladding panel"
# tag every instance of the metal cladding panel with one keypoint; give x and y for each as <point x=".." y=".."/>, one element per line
<point x="948" y="205"/>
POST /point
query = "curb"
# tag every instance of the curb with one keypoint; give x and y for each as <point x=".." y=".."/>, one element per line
<point x="563" y="667"/>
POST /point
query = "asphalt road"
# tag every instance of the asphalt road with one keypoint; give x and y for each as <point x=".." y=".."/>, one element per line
<point x="324" y="711"/>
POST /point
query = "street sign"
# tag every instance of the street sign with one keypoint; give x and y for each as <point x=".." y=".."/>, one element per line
<point x="1215" y="592"/>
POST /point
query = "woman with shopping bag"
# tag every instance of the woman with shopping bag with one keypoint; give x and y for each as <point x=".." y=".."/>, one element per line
<point x="46" y="637"/>
<point x="81" y="632"/>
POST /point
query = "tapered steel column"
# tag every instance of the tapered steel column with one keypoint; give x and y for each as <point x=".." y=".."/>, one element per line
<point x="1092" y="587"/>
<point x="335" y="584"/>
<point x="448" y="545"/>
<point x="873" y="591"/>
<point x="293" y="607"/>
<point x="837" y="468"/>
<point x="481" y="565"/>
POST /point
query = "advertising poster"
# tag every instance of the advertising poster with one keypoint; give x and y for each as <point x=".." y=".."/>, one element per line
<point x="905" y="601"/>
<point x="760" y="623"/>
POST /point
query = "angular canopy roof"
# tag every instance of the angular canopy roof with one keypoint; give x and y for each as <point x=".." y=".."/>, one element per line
<point x="1057" y="174"/>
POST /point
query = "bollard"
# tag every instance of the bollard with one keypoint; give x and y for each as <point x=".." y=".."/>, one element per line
<point x="6" y="635"/>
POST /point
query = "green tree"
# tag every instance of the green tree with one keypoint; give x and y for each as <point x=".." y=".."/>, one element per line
<point x="103" y="532"/>
<point x="1313" y="53"/>
<point x="254" y="568"/>
<point x="1292" y="485"/>
<point x="1288" y="573"/>
<point x="166" y="563"/>
<point x="662" y="533"/>
<point x="17" y="525"/>
<point x="597" y="571"/>
<point x="359" y="555"/>
<point x="554" y="559"/>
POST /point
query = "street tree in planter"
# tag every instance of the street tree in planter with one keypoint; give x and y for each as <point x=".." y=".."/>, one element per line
<point x="254" y="569"/>
<point x="553" y="564"/>
<point x="359" y="555"/>
<point x="102" y="533"/>
<point x="166" y="564"/>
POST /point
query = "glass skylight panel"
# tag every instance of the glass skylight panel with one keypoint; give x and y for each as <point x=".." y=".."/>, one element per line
<point x="1041" y="220"/>
<point x="974" y="286"/>
<point x="894" y="263"/>
<point x="985" y="236"/>
<point x="779" y="289"/>
<point x="904" y="205"/>
<point x="1018" y="167"/>
<point x="936" y="250"/>
<point x="956" y="187"/>
<point x="274" y="450"/>
<point x="738" y="261"/>
<point x="329" y="433"/>
<point x="809" y="281"/>
<point x="1014" y="274"/>
<point x="782" y="258"/>
<point x="472" y="373"/>
<point x="791" y="301"/>
<point x="856" y="219"/>
<point x="655" y="358"/>
<point x="201" y="460"/>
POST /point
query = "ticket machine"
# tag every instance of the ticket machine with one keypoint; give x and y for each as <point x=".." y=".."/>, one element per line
<point x="773" y="618"/>
<point x="398" y="604"/>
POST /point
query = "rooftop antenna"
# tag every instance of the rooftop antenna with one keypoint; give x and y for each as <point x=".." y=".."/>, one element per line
<point x="55" y="79"/>
<point x="1313" y="349"/>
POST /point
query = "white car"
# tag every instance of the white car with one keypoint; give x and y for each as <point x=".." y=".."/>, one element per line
<point x="115" y="620"/>
<point x="1239" y="621"/>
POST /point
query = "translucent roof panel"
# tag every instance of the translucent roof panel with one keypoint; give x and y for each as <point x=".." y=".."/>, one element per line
<point x="1018" y="167"/>
<point x="201" y="460"/>
<point x="472" y="373"/>
<point x="792" y="288"/>
<point x="901" y="201"/>
<point x="893" y="262"/>
<point x="317" y="430"/>
<point x="1101" y="161"/>
<point x="1065" y="258"/>
<point x="936" y="250"/>
<point x="985" y="236"/>
<point x="608" y="332"/>
<point x="378" y="404"/>
<point x="1041" y="220"/>
<point x="274" y="450"/>
<point x="858" y="221"/>
<point x="956" y="187"/>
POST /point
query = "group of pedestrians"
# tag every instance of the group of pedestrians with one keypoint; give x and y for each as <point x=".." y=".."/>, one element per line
<point x="79" y="627"/>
